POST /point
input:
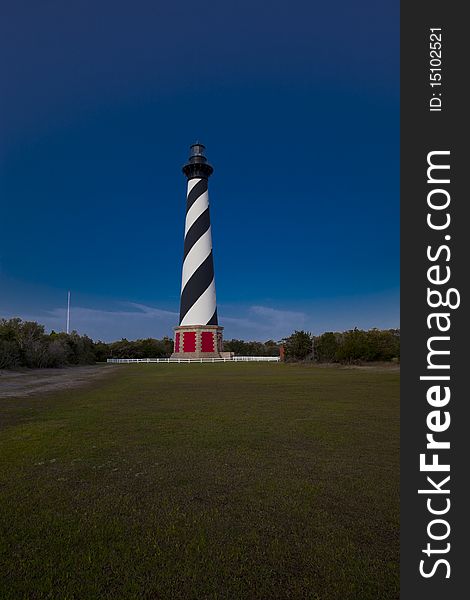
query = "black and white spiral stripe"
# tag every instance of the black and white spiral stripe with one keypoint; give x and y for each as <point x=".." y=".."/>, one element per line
<point x="198" y="304"/>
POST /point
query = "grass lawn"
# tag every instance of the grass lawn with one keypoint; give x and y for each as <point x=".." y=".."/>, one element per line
<point x="225" y="481"/>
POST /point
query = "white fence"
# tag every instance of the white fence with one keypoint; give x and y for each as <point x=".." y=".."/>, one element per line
<point x="195" y="360"/>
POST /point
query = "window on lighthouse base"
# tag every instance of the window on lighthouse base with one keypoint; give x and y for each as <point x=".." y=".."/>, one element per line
<point x="177" y="342"/>
<point x="207" y="341"/>
<point x="189" y="341"/>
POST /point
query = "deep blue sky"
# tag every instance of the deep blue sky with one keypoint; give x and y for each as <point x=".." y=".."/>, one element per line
<point x="298" y="106"/>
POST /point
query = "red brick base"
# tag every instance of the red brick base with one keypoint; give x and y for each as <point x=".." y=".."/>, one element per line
<point x="198" y="341"/>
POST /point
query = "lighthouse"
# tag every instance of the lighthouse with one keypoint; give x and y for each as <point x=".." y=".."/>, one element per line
<point x="198" y="334"/>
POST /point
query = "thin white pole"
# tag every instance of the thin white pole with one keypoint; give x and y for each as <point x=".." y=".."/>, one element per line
<point x="68" y="312"/>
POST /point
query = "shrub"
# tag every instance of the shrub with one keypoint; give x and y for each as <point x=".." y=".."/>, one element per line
<point x="298" y="346"/>
<point x="9" y="354"/>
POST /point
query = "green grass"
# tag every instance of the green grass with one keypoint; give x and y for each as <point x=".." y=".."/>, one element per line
<point x="237" y="481"/>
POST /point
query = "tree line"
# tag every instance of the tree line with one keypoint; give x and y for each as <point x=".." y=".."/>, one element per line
<point x="26" y="344"/>
<point x="241" y="348"/>
<point x="145" y="348"/>
<point x="353" y="346"/>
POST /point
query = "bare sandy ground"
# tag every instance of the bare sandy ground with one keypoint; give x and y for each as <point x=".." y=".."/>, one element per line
<point x="33" y="381"/>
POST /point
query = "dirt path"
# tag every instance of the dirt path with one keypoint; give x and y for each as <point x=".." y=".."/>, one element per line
<point x="32" y="381"/>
